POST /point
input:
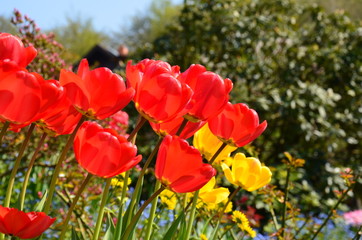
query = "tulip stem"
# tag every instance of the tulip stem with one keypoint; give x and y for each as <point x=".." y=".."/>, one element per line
<point x="192" y="214"/>
<point x="182" y="126"/>
<point x="216" y="229"/>
<point x="140" y="179"/>
<point x="152" y="213"/>
<point x="134" y="221"/>
<point x="58" y="166"/>
<point x="140" y="123"/>
<point x="30" y="167"/>
<point x="101" y="209"/>
<point x="72" y="206"/>
<point x="223" y="145"/>
<point x="3" y="131"/>
<point x="16" y="166"/>
<point x="118" y="231"/>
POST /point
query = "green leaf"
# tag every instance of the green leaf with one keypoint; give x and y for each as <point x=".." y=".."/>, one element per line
<point x="75" y="235"/>
<point x="171" y="231"/>
<point x="40" y="205"/>
<point x="111" y="228"/>
<point x="183" y="230"/>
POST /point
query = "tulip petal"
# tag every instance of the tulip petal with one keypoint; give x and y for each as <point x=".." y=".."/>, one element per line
<point x="40" y="222"/>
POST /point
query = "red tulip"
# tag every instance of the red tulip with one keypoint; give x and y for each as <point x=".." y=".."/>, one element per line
<point x="13" y="127"/>
<point x="23" y="225"/>
<point x="52" y="95"/>
<point x="12" y="49"/>
<point x="160" y="96"/>
<point x="171" y="127"/>
<point x="57" y="115"/>
<point x="237" y="125"/>
<point x="62" y="120"/>
<point x="103" y="152"/>
<point x="20" y="94"/>
<point x="98" y="93"/>
<point x="211" y="92"/>
<point x="179" y="166"/>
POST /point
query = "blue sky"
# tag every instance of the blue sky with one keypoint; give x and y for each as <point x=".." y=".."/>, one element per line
<point x="107" y="15"/>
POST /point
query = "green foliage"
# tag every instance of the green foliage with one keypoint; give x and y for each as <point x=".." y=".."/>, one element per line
<point x="298" y="66"/>
<point x="78" y="36"/>
<point x="6" y="26"/>
<point x="145" y="28"/>
<point x="352" y="7"/>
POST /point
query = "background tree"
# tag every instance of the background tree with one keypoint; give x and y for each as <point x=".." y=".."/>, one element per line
<point x="78" y="36"/>
<point x="6" y="26"/>
<point x="146" y="27"/>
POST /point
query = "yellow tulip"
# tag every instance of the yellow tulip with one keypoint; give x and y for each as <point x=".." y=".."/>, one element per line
<point x="211" y="198"/>
<point x="247" y="172"/>
<point x="210" y="195"/>
<point x="207" y="143"/>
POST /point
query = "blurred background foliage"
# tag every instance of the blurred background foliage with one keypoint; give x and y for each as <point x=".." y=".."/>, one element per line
<point x="297" y="63"/>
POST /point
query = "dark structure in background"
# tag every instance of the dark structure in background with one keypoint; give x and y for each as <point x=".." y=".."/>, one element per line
<point x="101" y="57"/>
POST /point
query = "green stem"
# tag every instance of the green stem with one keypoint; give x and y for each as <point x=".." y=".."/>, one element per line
<point x="134" y="221"/>
<point x="140" y="123"/>
<point x="274" y="218"/>
<point x="332" y="210"/>
<point x="30" y="167"/>
<point x="3" y="131"/>
<point x="131" y="138"/>
<point x="284" y="210"/>
<point x="216" y="229"/>
<point x="152" y="213"/>
<point x="101" y="209"/>
<point x="140" y="179"/>
<point x="16" y="166"/>
<point x="74" y="203"/>
<point x="301" y="228"/>
<point x="59" y="165"/>
<point x="223" y="145"/>
<point x="182" y="126"/>
<point x="192" y="214"/>
<point x="118" y="231"/>
<point x="66" y="199"/>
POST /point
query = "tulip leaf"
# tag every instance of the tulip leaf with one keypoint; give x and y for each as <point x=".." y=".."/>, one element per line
<point x="40" y="205"/>
<point x="171" y="231"/>
<point x="183" y="230"/>
<point x="75" y="235"/>
<point x="111" y="228"/>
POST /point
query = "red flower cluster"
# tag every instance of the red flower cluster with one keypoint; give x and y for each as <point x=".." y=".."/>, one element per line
<point x="26" y="97"/>
<point x="161" y="93"/>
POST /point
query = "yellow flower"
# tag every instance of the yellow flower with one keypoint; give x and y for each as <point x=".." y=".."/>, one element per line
<point x="210" y="195"/>
<point x="168" y="198"/>
<point x="211" y="198"/>
<point x="243" y="223"/>
<point x="203" y="237"/>
<point x="247" y="173"/>
<point x="119" y="180"/>
<point x="207" y="143"/>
